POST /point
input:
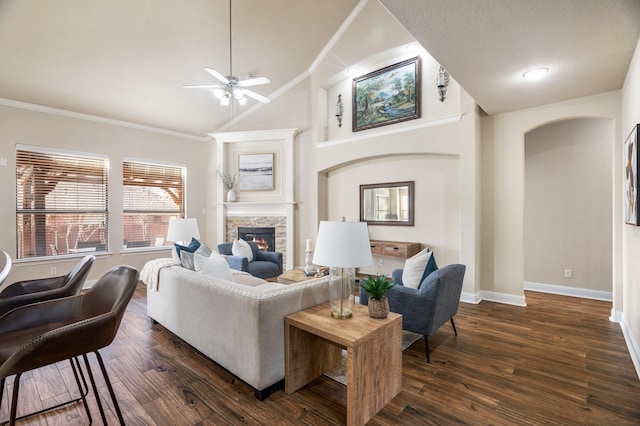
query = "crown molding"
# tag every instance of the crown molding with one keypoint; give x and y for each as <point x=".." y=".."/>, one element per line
<point x="95" y="118"/>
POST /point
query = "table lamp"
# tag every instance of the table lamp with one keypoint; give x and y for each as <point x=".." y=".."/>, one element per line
<point x="182" y="230"/>
<point x="342" y="246"/>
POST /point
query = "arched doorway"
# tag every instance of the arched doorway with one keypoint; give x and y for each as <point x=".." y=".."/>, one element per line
<point x="568" y="214"/>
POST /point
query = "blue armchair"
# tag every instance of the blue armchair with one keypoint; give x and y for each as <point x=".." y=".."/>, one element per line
<point x="265" y="264"/>
<point x="429" y="306"/>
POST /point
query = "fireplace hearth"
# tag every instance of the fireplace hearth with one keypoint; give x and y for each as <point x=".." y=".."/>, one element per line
<point x="265" y="237"/>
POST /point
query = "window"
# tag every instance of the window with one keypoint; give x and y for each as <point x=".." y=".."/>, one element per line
<point x="61" y="202"/>
<point x="152" y="195"/>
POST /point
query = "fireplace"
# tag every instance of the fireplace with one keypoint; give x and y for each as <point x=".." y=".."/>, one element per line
<point x="265" y="237"/>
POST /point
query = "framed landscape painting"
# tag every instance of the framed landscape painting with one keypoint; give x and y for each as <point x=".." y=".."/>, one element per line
<point x="255" y="172"/>
<point x="631" y="177"/>
<point x="386" y="96"/>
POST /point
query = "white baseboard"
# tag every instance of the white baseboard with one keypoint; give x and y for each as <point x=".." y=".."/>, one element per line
<point x="616" y="316"/>
<point x="473" y="298"/>
<point x="492" y="296"/>
<point x="632" y="346"/>
<point x="584" y="293"/>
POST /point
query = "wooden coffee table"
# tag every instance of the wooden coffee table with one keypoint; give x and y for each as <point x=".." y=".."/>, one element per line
<point x="313" y="345"/>
<point x="293" y="276"/>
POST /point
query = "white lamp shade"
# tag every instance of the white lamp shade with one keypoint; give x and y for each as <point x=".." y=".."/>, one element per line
<point x="183" y="229"/>
<point x="343" y="245"/>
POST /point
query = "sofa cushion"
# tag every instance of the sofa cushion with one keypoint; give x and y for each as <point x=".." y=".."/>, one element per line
<point x="414" y="268"/>
<point x="243" y="249"/>
<point x="213" y="266"/>
<point x="246" y="278"/>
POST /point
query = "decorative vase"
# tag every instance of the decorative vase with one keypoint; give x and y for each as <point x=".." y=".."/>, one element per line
<point x="378" y="308"/>
<point x="231" y="196"/>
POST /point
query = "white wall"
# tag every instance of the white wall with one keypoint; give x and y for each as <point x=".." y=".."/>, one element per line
<point x="631" y="234"/>
<point x="45" y="127"/>
<point x="568" y="208"/>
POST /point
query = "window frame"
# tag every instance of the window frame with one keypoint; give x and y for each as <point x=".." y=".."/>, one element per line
<point x="180" y="213"/>
<point x="51" y="226"/>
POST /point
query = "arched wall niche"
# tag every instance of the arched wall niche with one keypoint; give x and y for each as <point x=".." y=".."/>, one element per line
<point x="437" y="200"/>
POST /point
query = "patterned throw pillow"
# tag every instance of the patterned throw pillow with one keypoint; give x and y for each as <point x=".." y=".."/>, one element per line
<point x="191" y="248"/>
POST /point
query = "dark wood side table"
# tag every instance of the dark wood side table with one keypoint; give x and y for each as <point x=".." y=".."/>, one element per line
<point x="313" y="345"/>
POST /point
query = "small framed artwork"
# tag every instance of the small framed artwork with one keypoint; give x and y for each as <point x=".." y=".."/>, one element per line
<point x="387" y="96"/>
<point x="631" y="177"/>
<point x="255" y="172"/>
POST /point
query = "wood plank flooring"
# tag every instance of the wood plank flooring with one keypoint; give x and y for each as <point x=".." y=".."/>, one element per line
<point x="559" y="361"/>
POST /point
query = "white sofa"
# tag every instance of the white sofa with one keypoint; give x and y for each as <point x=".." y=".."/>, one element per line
<point x="239" y="326"/>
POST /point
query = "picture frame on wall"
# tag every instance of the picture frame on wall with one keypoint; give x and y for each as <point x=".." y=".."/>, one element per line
<point x="387" y="96"/>
<point x="255" y="172"/>
<point x="631" y="177"/>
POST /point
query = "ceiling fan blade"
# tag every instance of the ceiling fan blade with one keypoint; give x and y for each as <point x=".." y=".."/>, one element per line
<point x="217" y="75"/>
<point x="256" y="96"/>
<point x="203" y="86"/>
<point x="254" y="81"/>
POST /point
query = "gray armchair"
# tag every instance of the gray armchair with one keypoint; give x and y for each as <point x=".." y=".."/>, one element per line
<point x="429" y="306"/>
<point x="265" y="264"/>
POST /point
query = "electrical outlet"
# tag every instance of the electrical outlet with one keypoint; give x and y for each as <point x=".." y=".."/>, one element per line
<point x="568" y="273"/>
<point x="381" y="262"/>
<point x="53" y="270"/>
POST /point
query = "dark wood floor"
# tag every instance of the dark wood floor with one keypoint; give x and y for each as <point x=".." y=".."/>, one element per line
<point x="559" y="361"/>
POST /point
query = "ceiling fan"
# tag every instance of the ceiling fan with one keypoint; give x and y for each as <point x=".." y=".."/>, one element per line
<point x="231" y="87"/>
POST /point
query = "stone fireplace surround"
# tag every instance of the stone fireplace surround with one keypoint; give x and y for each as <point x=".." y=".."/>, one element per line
<point x="278" y="222"/>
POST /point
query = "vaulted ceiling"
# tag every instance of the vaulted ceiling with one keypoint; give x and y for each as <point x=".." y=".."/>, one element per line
<point x="128" y="59"/>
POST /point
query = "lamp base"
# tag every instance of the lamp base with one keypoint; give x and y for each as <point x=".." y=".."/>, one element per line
<point x="343" y="314"/>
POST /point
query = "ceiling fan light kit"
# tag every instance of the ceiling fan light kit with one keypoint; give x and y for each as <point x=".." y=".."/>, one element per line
<point x="231" y="86"/>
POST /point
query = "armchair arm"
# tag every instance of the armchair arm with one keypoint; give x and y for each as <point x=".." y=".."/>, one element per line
<point x="271" y="256"/>
<point x="39" y="314"/>
<point x="238" y="263"/>
<point x="32" y="286"/>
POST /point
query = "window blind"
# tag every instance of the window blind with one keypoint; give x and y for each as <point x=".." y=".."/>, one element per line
<point x="61" y="203"/>
<point x="152" y="195"/>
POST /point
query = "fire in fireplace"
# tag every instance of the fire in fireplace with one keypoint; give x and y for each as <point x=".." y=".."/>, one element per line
<point x="264" y="237"/>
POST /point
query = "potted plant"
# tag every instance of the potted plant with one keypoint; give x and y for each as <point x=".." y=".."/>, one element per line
<point x="230" y="182"/>
<point x="377" y="287"/>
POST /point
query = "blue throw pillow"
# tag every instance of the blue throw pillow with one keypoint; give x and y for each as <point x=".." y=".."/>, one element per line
<point x="191" y="248"/>
<point x="431" y="266"/>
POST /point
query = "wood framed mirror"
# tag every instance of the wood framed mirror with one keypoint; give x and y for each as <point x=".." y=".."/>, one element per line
<point x="387" y="203"/>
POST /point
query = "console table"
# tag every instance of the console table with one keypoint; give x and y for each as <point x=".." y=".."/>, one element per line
<point x="395" y="248"/>
<point x="313" y="345"/>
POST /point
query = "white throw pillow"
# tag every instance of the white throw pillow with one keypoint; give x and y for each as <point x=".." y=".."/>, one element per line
<point x="214" y="267"/>
<point x="243" y="249"/>
<point x="217" y="256"/>
<point x="414" y="268"/>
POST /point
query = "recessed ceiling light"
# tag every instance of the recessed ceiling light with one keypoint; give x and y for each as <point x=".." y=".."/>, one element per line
<point x="352" y="70"/>
<point x="535" y="74"/>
